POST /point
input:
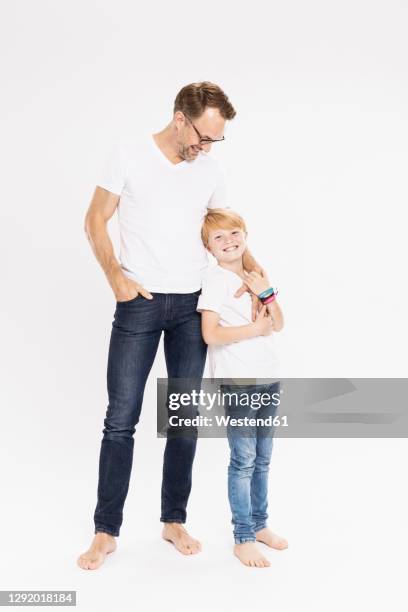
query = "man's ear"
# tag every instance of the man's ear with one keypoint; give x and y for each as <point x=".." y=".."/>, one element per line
<point x="178" y="119"/>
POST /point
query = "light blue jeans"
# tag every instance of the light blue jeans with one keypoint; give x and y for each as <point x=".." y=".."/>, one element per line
<point x="248" y="470"/>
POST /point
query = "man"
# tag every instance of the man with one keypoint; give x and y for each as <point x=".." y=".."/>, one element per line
<point x="161" y="184"/>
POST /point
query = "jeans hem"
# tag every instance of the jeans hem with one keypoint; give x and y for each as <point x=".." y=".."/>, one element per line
<point x="244" y="539"/>
<point x="171" y="520"/>
<point x="260" y="528"/>
<point x="104" y="530"/>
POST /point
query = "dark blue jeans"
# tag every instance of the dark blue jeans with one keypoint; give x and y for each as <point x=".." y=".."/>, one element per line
<point x="136" y="331"/>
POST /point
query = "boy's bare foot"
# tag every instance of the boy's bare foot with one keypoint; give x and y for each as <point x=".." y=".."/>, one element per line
<point x="177" y="535"/>
<point x="266" y="536"/>
<point x="249" y="555"/>
<point x="102" y="544"/>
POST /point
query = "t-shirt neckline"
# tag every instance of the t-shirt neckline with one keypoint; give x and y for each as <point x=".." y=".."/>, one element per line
<point x="163" y="156"/>
<point x="229" y="272"/>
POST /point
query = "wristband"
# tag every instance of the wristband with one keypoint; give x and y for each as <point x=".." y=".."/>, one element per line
<point x="269" y="299"/>
<point x="266" y="293"/>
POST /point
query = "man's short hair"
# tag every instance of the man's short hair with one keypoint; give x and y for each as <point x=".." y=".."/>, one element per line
<point x="193" y="99"/>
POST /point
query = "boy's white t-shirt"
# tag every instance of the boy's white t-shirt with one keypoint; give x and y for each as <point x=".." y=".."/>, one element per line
<point x="251" y="358"/>
<point x="160" y="212"/>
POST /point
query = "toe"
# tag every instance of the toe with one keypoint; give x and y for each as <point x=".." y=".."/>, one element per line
<point x="93" y="562"/>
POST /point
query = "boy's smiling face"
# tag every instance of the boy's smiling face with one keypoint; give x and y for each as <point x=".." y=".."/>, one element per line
<point x="227" y="245"/>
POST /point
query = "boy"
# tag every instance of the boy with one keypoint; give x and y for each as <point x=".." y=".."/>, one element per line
<point x="240" y="348"/>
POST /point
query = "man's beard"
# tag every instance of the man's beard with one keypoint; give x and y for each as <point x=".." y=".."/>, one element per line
<point x="187" y="153"/>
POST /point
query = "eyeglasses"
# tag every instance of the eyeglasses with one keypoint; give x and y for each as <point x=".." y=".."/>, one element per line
<point x="204" y="140"/>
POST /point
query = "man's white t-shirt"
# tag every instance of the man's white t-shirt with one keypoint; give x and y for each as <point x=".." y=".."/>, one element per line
<point x="251" y="358"/>
<point x="160" y="212"/>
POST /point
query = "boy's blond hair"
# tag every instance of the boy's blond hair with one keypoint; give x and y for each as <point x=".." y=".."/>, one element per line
<point x="220" y="218"/>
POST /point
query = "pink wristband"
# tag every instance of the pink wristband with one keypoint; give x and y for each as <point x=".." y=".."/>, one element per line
<point x="269" y="299"/>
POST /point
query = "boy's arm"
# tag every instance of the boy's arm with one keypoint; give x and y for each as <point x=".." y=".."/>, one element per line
<point x="258" y="283"/>
<point x="216" y="334"/>
<point x="276" y="313"/>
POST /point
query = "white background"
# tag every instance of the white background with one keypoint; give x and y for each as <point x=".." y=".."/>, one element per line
<point x="316" y="162"/>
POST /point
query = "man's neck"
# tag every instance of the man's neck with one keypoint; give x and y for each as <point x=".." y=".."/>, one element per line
<point x="166" y="141"/>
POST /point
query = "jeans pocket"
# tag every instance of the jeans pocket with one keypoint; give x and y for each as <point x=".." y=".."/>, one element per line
<point x="129" y="301"/>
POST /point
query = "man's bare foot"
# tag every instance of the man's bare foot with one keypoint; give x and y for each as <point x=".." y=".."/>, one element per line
<point x="249" y="555"/>
<point x="102" y="545"/>
<point x="266" y="536"/>
<point x="177" y="535"/>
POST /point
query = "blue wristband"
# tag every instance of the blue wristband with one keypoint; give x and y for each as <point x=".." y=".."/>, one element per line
<point x="266" y="293"/>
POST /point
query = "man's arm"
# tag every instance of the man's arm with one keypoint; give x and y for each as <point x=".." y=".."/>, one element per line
<point x="250" y="263"/>
<point x="101" y="209"/>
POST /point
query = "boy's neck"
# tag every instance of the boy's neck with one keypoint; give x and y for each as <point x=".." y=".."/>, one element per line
<point x="234" y="266"/>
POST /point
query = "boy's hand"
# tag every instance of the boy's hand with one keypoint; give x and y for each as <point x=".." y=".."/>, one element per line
<point x="256" y="305"/>
<point x="258" y="275"/>
<point x="263" y="323"/>
<point x="256" y="282"/>
<point x="256" y="302"/>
